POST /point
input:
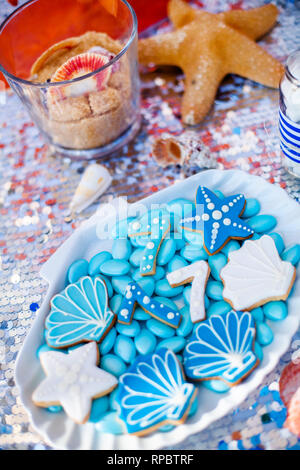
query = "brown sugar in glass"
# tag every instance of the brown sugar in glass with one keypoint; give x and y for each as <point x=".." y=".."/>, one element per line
<point x="75" y="119"/>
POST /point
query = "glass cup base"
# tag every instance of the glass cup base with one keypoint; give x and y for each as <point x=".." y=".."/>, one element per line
<point x="99" y="152"/>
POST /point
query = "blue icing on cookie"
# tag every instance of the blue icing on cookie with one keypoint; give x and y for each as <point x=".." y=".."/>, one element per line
<point x="153" y="392"/>
<point x="218" y="219"/>
<point x="222" y="347"/>
<point x="79" y="313"/>
<point x="151" y="228"/>
<point x="135" y="294"/>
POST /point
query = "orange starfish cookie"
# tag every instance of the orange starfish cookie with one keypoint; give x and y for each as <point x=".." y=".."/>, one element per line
<point x="209" y="46"/>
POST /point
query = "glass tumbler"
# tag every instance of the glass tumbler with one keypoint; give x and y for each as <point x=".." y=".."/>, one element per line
<point x="289" y="114"/>
<point x="74" y="66"/>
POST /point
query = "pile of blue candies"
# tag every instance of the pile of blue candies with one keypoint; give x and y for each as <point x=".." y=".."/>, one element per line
<point x="145" y="334"/>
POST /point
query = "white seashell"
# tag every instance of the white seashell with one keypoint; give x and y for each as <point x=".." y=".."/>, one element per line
<point x="255" y="274"/>
<point x="94" y="182"/>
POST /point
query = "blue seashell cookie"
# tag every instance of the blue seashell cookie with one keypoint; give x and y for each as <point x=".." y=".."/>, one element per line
<point x="79" y="313"/>
<point x="153" y="392"/>
<point x="222" y="347"/>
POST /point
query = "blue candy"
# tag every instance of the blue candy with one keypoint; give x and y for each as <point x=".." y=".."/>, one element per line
<point x="193" y="253"/>
<point x="77" y="270"/>
<point x="164" y="289"/>
<point x="99" y="407"/>
<point x="216" y="263"/>
<point x="124" y="348"/>
<point x="276" y="310"/>
<point x="262" y="223"/>
<point x="136" y="257"/>
<point x="292" y="254"/>
<point x="120" y="283"/>
<point x="258" y="351"/>
<point x="166" y="252"/>
<point x="55" y="409"/>
<point x="108" y="285"/>
<point x="179" y="208"/>
<point x="140" y="314"/>
<point x="194" y="238"/>
<point x="232" y="245"/>
<point x="159" y="273"/>
<point x="145" y="342"/>
<point x="147" y="284"/>
<point x="129" y="330"/>
<point x="115" y="267"/>
<point x="113" y="364"/>
<point x="264" y="335"/>
<point x="177" y="262"/>
<point x="217" y="386"/>
<point x="278" y="241"/>
<point x="214" y="290"/>
<point x="176" y="343"/>
<point x="121" y="249"/>
<point x="218" y="308"/>
<point x="108" y="343"/>
<point x="257" y="314"/>
<point x="252" y="208"/>
<point x="186" y="325"/>
<point x="160" y="329"/>
<point x="187" y="294"/>
<point x="110" y="424"/>
<point x="96" y="261"/>
<point x="115" y="303"/>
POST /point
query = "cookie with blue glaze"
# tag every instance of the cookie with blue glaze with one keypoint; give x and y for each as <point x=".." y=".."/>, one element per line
<point x="153" y="392"/>
<point x="136" y="295"/>
<point x="217" y="219"/>
<point x="79" y="313"/>
<point x="222" y="347"/>
<point x="150" y="230"/>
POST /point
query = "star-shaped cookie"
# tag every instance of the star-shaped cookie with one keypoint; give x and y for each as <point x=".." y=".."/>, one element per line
<point x="209" y="46"/>
<point x="217" y="219"/>
<point x="72" y="381"/>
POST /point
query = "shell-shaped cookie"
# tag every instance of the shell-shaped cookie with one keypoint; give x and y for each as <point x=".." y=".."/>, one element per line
<point x="153" y="392"/>
<point x="222" y="348"/>
<point x="79" y="313"/>
<point x="255" y="274"/>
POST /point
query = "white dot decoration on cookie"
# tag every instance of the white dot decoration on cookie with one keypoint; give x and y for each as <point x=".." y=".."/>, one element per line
<point x="153" y="233"/>
<point x="64" y="382"/>
<point x="211" y="210"/>
<point x="150" y="305"/>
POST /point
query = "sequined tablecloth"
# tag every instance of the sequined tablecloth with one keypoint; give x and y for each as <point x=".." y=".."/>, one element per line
<point x="36" y="188"/>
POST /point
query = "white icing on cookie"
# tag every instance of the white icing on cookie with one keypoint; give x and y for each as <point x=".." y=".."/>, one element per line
<point x="198" y="273"/>
<point x="255" y="274"/>
<point x="72" y="380"/>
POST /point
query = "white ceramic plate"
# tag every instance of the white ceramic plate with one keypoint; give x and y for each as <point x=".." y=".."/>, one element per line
<point x="57" y="429"/>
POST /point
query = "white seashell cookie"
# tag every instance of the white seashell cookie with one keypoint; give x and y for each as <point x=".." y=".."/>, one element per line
<point x="255" y="275"/>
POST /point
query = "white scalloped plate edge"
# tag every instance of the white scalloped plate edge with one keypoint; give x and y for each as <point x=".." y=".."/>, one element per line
<point x="57" y="429"/>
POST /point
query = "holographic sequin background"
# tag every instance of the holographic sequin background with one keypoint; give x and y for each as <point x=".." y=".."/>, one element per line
<point x="35" y="190"/>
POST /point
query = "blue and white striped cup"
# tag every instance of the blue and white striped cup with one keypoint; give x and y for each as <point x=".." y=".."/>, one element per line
<point x="289" y="138"/>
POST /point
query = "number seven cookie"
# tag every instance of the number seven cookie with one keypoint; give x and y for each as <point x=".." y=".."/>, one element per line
<point x="217" y="219"/>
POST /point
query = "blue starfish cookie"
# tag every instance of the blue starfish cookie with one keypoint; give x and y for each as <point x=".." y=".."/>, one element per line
<point x="217" y="219"/>
<point x="153" y="392"/>
<point x="222" y="347"/>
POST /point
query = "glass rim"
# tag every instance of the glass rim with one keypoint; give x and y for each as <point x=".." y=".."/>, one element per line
<point x="74" y="80"/>
<point x="288" y="71"/>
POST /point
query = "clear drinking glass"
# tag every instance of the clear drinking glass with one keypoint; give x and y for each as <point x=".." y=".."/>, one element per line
<point x="289" y="114"/>
<point x="95" y="113"/>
